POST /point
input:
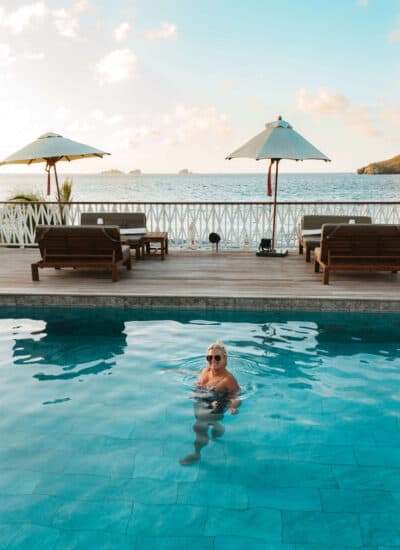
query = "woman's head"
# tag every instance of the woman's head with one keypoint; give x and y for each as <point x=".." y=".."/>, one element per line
<point x="217" y="354"/>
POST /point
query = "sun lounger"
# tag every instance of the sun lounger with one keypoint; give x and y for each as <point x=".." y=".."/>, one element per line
<point x="309" y="231"/>
<point x="132" y="225"/>
<point x="353" y="247"/>
<point x="89" y="247"/>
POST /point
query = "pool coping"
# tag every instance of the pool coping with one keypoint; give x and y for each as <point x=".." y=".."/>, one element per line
<point x="277" y="303"/>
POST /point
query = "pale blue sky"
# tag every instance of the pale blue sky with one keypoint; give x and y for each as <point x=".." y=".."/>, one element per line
<point x="172" y="84"/>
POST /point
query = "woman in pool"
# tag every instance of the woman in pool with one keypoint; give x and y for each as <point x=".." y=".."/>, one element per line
<point x="216" y="391"/>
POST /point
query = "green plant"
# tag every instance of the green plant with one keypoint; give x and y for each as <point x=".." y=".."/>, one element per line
<point x="66" y="190"/>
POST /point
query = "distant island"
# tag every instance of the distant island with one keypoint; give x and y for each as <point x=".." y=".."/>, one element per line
<point x="112" y="172"/>
<point x="390" y="166"/>
<point x="184" y="171"/>
<point x="115" y="172"/>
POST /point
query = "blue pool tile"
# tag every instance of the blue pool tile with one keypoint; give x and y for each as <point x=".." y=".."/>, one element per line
<point x="223" y="495"/>
<point x="365" y="477"/>
<point x="380" y="529"/>
<point x="27" y="537"/>
<point x="320" y="528"/>
<point x="167" y="521"/>
<point x="44" y="460"/>
<point x="297" y="474"/>
<point x="244" y="543"/>
<point x="161" y="467"/>
<point x="336" y="547"/>
<point x="110" y="516"/>
<point x="94" y="540"/>
<point x="358" y="501"/>
<point x="174" y="543"/>
<point x="18" y="482"/>
<point x="322" y="454"/>
<point x="378" y="456"/>
<point x="144" y="490"/>
<point x="284" y="498"/>
<point x="102" y="462"/>
<point x="258" y="523"/>
<point x="35" y="509"/>
<point x="74" y="486"/>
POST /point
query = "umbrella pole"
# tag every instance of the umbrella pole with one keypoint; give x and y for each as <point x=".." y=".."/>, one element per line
<point x="274" y="213"/>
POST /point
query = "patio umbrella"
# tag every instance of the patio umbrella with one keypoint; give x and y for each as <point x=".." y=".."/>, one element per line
<point x="278" y="141"/>
<point x="51" y="148"/>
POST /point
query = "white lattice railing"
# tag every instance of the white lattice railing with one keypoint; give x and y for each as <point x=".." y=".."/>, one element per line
<point x="240" y="224"/>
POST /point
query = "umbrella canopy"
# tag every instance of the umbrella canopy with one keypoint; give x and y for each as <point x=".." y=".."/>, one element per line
<point x="278" y="141"/>
<point x="51" y="148"/>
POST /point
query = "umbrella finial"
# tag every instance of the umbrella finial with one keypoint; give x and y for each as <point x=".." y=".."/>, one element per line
<point x="280" y="117"/>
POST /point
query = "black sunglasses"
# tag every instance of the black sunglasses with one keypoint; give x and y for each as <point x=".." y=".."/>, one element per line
<point x="211" y="357"/>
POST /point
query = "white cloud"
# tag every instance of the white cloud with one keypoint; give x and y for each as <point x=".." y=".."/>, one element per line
<point x="324" y="102"/>
<point x="22" y="17"/>
<point x="359" y="121"/>
<point x="34" y="56"/>
<point x="121" y="32"/>
<point x="117" y="66"/>
<point x="100" y="116"/>
<point x="167" y="31"/>
<point x="5" y="54"/>
<point x="81" y="6"/>
<point x="66" y="23"/>
<point x="394" y="36"/>
<point x="362" y="2"/>
<point x="62" y="113"/>
<point x="391" y="115"/>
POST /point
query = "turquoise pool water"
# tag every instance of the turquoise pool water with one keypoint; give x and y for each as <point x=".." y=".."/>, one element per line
<point x="96" y="413"/>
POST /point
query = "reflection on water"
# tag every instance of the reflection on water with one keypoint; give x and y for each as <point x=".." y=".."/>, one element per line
<point x="71" y="344"/>
<point x="80" y="345"/>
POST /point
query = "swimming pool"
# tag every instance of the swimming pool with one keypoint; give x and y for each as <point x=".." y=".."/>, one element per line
<point x="97" y="410"/>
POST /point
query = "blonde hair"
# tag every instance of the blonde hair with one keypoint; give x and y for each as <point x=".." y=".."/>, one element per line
<point x="220" y="346"/>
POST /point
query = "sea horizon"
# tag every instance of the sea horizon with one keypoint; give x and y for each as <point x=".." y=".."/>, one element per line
<point x="210" y="187"/>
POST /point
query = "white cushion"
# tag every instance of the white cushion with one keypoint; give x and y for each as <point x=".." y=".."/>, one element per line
<point x="133" y="231"/>
<point x="311" y="232"/>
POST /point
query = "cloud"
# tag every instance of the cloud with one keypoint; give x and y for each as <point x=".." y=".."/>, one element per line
<point x="323" y="103"/>
<point x="359" y="122"/>
<point x="167" y="31"/>
<point x="394" y="36"/>
<point x="121" y="32"/>
<point x="391" y="115"/>
<point x="117" y="66"/>
<point x="66" y="23"/>
<point x="22" y="17"/>
<point x="100" y="116"/>
<point x="5" y="54"/>
<point x="62" y="113"/>
<point x="362" y="2"/>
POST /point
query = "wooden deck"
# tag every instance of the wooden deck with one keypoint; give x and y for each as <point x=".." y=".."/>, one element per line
<point x="229" y="280"/>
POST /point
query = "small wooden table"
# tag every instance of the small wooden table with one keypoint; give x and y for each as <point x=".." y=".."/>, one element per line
<point x="155" y="237"/>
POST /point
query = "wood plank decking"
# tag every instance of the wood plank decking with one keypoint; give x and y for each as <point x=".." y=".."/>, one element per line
<point x="199" y="279"/>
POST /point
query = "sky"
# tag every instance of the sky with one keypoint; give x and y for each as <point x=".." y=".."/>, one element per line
<point x="165" y="85"/>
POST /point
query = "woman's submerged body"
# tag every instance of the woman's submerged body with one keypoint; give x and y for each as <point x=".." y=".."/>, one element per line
<point x="216" y="391"/>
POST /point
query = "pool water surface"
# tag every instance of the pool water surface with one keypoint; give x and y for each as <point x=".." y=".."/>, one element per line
<point x="97" y="410"/>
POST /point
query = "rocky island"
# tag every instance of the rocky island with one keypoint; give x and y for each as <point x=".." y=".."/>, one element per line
<point x="112" y="172"/>
<point x="390" y="166"/>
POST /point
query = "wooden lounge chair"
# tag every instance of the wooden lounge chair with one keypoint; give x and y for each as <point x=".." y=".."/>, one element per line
<point x="356" y="247"/>
<point x="132" y="226"/>
<point x="309" y="231"/>
<point x="89" y="247"/>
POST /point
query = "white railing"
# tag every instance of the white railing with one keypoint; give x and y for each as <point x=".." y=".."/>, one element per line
<point x="239" y="224"/>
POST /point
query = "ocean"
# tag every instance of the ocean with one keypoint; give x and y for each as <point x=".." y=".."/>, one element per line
<point x="211" y="187"/>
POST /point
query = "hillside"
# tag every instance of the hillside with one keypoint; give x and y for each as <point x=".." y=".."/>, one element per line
<point x="390" y="166"/>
